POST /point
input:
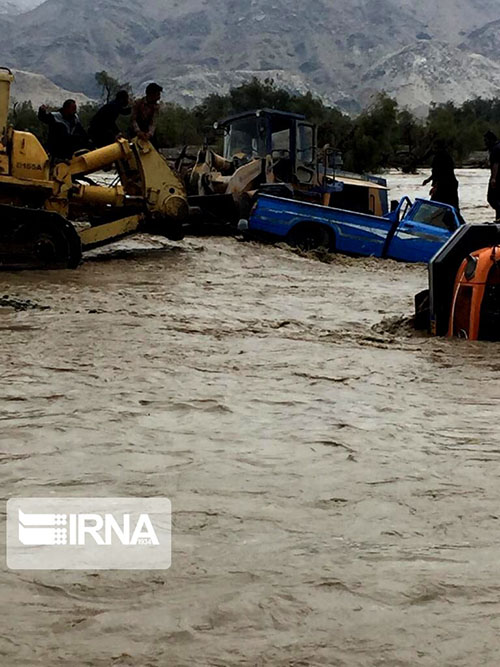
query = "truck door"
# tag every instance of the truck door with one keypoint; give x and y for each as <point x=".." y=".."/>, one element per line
<point x="423" y="231"/>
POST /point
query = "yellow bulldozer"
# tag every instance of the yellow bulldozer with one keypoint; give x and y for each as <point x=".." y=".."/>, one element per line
<point x="49" y="214"/>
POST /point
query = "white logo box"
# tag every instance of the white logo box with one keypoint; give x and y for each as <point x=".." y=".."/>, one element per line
<point x="89" y="533"/>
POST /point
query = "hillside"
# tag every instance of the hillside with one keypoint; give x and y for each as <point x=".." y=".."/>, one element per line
<point x="14" y="7"/>
<point x="431" y="72"/>
<point x="340" y="49"/>
<point x="39" y="90"/>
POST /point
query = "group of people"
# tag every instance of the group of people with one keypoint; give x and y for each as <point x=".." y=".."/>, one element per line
<point x="67" y="134"/>
<point x="444" y="186"/>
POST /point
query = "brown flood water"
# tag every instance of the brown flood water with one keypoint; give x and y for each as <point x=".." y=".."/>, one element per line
<point x="335" y="478"/>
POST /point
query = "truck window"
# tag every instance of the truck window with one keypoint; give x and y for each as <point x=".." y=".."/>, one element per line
<point x="434" y="215"/>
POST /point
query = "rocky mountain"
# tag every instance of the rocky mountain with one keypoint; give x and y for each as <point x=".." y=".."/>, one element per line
<point x="37" y="89"/>
<point x="343" y="50"/>
<point x="13" y="7"/>
<point x="485" y="40"/>
<point x="431" y="72"/>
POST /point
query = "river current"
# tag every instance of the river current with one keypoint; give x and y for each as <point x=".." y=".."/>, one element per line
<point x="333" y="475"/>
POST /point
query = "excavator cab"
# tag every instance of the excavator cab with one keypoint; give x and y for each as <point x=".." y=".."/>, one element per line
<point x="284" y="140"/>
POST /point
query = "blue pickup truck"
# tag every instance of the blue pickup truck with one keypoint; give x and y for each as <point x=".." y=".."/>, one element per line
<point x="412" y="232"/>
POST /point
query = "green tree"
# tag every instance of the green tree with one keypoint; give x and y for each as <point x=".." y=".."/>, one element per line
<point x="413" y="144"/>
<point x="86" y="112"/>
<point x="109" y="86"/>
<point x="23" y="117"/>
<point x="177" y="126"/>
<point x="382" y="135"/>
<point x="258" y="94"/>
<point x="375" y="138"/>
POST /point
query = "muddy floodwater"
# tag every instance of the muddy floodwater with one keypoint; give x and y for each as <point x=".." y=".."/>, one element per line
<point x="334" y="477"/>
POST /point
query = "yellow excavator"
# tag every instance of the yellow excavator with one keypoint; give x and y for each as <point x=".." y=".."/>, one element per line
<point x="50" y="215"/>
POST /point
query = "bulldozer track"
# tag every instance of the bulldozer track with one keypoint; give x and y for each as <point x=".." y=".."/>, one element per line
<point x="37" y="239"/>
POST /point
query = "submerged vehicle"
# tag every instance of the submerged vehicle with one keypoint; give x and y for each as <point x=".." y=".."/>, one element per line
<point x="50" y="214"/>
<point x="276" y="152"/>
<point x="475" y="309"/>
<point x="412" y="232"/>
<point x="463" y="299"/>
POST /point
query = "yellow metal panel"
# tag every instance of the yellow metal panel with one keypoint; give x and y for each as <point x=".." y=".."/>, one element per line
<point x="27" y="183"/>
<point x="6" y="78"/>
<point x="375" y="202"/>
<point x="4" y="162"/>
<point x="94" y="236"/>
<point x="243" y="177"/>
<point x="164" y="190"/>
<point x="28" y="158"/>
<point x="57" y="205"/>
<point x="101" y="157"/>
<point x="99" y="195"/>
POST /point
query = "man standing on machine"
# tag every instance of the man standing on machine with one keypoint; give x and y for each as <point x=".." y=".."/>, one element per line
<point x="145" y="113"/>
<point x="66" y="133"/>
<point x="103" y="129"/>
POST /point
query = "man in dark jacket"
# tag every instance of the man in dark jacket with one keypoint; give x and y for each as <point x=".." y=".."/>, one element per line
<point x="66" y="133"/>
<point x="103" y="128"/>
<point x="493" y="145"/>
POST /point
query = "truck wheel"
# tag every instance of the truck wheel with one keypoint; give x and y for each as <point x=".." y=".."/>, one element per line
<point x="310" y="237"/>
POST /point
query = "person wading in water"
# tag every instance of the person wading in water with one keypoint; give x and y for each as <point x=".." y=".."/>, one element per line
<point x="444" y="183"/>
<point x="493" y="145"/>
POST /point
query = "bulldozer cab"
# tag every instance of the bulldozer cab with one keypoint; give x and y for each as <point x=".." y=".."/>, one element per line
<point x="285" y="140"/>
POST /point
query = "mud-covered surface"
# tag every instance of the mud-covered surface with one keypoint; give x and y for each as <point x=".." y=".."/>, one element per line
<point x="334" y="475"/>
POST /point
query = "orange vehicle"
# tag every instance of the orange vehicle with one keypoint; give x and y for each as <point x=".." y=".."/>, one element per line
<point x="463" y="298"/>
<point x="475" y="309"/>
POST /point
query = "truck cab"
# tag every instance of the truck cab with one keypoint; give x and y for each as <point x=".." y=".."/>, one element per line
<point x="413" y="232"/>
<point x="421" y="228"/>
